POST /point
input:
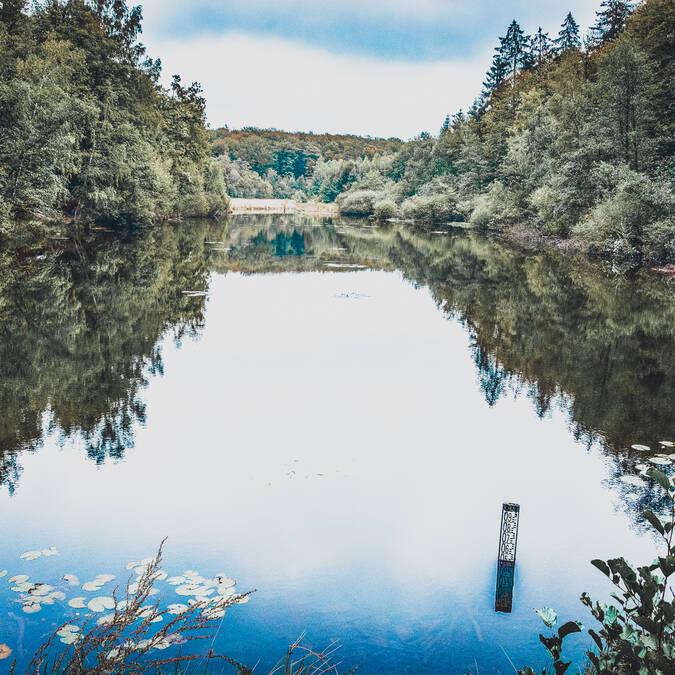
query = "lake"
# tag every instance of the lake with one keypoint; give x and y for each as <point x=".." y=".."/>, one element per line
<point x="333" y="414"/>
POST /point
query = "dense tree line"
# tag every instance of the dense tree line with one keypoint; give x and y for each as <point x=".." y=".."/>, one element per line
<point x="266" y="163"/>
<point x="86" y="129"/>
<point x="571" y="138"/>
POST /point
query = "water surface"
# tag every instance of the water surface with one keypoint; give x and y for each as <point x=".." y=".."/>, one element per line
<point x="332" y="414"/>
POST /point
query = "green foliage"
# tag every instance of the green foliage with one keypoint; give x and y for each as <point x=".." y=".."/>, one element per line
<point x="85" y="128"/>
<point x="637" y="634"/>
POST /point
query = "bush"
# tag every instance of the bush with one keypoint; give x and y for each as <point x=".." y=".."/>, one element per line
<point x="627" y="225"/>
<point x="494" y="208"/>
<point x="637" y="635"/>
<point x="385" y="209"/>
<point x="357" y="202"/>
<point x="439" y="208"/>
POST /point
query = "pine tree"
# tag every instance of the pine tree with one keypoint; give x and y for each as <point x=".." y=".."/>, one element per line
<point x="568" y="35"/>
<point x="497" y="74"/>
<point x="540" y="46"/>
<point x="515" y="49"/>
<point x="610" y="20"/>
<point x="446" y="124"/>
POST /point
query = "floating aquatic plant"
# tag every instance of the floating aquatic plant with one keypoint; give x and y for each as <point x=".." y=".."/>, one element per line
<point x="30" y="555"/>
<point x="641" y="448"/>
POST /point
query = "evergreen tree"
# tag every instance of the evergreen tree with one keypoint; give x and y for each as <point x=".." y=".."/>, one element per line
<point x="498" y="72"/>
<point x="540" y="46"/>
<point x="568" y="35"/>
<point x="446" y="124"/>
<point x="610" y="20"/>
<point x="515" y="50"/>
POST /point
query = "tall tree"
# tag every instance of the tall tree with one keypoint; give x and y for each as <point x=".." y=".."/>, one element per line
<point x="568" y="35"/>
<point x="515" y="49"/>
<point x="497" y="74"/>
<point x="446" y="124"/>
<point x="540" y="46"/>
<point x="610" y="20"/>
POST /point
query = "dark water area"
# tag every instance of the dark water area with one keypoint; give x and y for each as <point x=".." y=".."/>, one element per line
<point x="331" y="413"/>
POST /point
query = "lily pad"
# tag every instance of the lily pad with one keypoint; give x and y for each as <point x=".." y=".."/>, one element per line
<point x="78" y="603"/>
<point x="176" y="581"/>
<point x="223" y="580"/>
<point x="30" y="555"/>
<point x="41" y="589"/>
<point x="31" y="607"/>
<point x="17" y="578"/>
<point x="69" y="638"/>
<point x="641" y="448"/>
<point x="91" y="586"/>
<point x="667" y="444"/>
<point x="101" y="603"/>
<point x="661" y="461"/>
<point x="71" y="579"/>
<point x="187" y="589"/>
<point x="3" y="573"/>
<point x="22" y="587"/>
<point x="67" y="629"/>
<point x="49" y="551"/>
<point x="104" y="578"/>
<point x="131" y="565"/>
<point x="107" y="618"/>
<point x="57" y="595"/>
<point x="177" y="608"/>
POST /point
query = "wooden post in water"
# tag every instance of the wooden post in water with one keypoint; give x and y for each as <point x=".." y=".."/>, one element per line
<point x="506" y="557"/>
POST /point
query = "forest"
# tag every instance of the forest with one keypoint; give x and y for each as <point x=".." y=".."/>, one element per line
<point x="86" y="129"/>
<point x="569" y="141"/>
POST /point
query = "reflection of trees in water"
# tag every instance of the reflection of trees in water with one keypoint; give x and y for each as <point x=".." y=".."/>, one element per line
<point x="79" y="325"/>
<point x="80" y="322"/>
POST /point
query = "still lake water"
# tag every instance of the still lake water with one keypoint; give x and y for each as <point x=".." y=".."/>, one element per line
<point x="336" y="424"/>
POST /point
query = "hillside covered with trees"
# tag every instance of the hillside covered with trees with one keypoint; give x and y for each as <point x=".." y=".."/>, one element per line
<point x="571" y="138"/>
<point x="86" y="129"/>
<point x="266" y="163"/>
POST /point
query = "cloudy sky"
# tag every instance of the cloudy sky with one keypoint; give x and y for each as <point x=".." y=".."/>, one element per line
<point x="379" y="67"/>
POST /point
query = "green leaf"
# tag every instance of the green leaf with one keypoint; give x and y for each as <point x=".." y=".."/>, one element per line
<point x="611" y="614"/>
<point x="602" y="566"/>
<point x="653" y="520"/>
<point x="569" y="628"/>
<point x="548" y="616"/>
<point x="660" y="478"/>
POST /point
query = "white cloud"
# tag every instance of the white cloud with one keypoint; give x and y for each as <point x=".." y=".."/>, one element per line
<point x="271" y="82"/>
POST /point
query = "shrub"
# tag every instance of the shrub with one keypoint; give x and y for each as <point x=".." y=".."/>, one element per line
<point x="357" y="202"/>
<point x="439" y="208"/>
<point x="494" y="208"/>
<point x="637" y="634"/>
<point x="385" y="209"/>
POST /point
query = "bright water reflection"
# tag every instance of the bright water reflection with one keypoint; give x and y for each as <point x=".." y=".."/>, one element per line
<point x="329" y="437"/>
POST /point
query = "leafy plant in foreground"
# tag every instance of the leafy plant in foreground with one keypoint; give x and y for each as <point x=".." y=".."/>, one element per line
<point x="637" y="635"/>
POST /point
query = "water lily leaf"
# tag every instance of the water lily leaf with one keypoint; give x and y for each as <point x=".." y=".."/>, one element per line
<point x="641" y="448"/>
<point x="642" y="467"/>
<point x="31" y="607"/>
<point x="69" y="638"/>
<point x="223" y="580"/>
<point x="67" y="629"/>
<point x="145" y="612"/>
<point x="187" y="589"/>
<point x="91" y="586"/>
<point x="41" y="589"/>
<point x="18" y="578"/>
<point x="133" y="589"/>
<point x="57" y="595"/>
<point x="101" y="603"/>
<point x="71" y="579"/>
<point x="156" y="619"/>
<point x="176" y="581"/>
<point x="107" y="618"/>
<point x="226" y="591"/>
<point x="162" y="644"/>
<point x="3" y="573"/>
<point x="78" y="603"/>
<point x="22" y="587"/>
<point x="215" y="614"/>
<point x="177" y="608"/>
<point x="131" y="565"/>
<point x="667" y="444"/>
<point x="5" y="651"/>
<point x="159" y="575"/>
<point x="30" y="555"/>
<point x="47" y="600"/>
<point x="49" y="551"/>
<point x="548" y="615"/>
<point x="103" y="578"/>
<point x="662" y="461"/>
<point x="244" y="599"/>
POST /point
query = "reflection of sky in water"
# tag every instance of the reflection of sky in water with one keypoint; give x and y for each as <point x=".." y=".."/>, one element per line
<point x="338" y="455"/>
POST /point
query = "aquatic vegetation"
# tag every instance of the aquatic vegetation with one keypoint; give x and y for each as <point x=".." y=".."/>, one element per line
<point x="637" y="634"/>
<point x="125" y="640"/>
